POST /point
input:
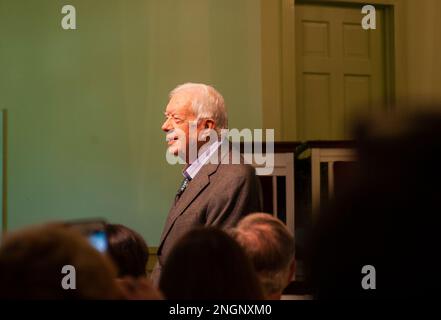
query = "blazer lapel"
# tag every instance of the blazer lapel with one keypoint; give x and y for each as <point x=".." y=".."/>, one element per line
<point x="194" y="188"/>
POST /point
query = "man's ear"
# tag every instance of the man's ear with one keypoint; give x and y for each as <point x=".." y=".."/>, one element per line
<point x="205" y="126"/>
<point x="209" y="124"/>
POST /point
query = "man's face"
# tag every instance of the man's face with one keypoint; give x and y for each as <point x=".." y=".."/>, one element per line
<point x="179" y="115"/>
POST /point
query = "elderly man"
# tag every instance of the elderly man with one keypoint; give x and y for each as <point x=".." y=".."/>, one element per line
<point x="270" y="246"/>
<point x="215" y="192"/>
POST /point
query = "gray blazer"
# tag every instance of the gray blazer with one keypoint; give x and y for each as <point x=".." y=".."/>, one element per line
<point x="219" y="196"/>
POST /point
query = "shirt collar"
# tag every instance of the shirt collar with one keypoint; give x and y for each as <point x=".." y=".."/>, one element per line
<point x="206" y="152"/>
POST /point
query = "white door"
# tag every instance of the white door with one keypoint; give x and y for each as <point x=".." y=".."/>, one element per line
<point x="339" y="69"/>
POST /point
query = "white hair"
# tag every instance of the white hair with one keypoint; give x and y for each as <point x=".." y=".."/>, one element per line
<point x="206" y="102"/>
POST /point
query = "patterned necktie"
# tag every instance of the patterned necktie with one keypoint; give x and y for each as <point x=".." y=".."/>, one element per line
<point x="182" y="188"/>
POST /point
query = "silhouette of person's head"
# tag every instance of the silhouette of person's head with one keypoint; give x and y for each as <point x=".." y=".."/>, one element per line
<point x="270" y="246"/>
<point x="386" y="219"/>
<point x="208" y="264"/>
<point x="128" y="250"/>
<point x="35" y="262"/>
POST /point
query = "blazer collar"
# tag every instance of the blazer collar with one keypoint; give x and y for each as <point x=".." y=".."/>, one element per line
<point x="193" y="190"/>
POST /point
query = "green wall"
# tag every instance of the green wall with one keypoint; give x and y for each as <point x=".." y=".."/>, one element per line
<point x="85" y="106"/>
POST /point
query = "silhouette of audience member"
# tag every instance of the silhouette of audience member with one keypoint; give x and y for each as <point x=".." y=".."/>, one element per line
<point x="270" y="246"/>
<point x="128" y="250"/>
<point x="140" y="288"/>
<point x="32" y="261"/>
<point x="207" y="264"/>
<point x="386" y="220"/>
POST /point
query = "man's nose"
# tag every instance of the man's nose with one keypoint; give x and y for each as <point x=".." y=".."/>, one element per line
<point x="166" y="126"/>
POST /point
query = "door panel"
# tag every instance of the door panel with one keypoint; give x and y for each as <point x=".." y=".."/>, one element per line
<point x="339" y="69"/>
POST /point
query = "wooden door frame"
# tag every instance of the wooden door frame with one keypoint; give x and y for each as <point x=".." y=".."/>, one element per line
<point x="4" y="171"/>
<point x="279" y="69"/>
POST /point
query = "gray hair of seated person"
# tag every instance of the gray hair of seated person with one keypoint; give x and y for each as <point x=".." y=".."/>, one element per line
<point x="270" y="246"/>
